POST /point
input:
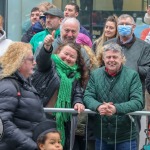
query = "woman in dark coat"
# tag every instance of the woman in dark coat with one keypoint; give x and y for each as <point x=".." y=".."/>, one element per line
<point x="20" y="107"/>
<point x="64" y="78"/>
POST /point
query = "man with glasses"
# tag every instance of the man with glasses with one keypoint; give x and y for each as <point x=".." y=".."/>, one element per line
<point x="20" y="105"/>
<point x="136" y="51"/>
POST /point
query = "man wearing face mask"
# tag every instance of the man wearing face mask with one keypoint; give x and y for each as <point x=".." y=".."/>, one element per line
<point x="136" y="51"/>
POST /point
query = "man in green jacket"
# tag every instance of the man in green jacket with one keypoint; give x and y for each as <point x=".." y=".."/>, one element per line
<point x="136" y="51"/>
<point x="53" y="19"/>
<point x="113" y="91"/>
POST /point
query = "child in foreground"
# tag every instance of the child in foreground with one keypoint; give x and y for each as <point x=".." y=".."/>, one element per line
<point x="47" y="136"/>
<point x="49" y="140"/>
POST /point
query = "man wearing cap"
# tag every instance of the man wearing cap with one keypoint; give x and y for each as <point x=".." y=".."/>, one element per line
<point x="53" y="19"/>
<point x="69" y="29"/>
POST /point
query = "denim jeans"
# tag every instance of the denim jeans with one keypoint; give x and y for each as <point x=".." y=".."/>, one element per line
<point x="102" y="145"/>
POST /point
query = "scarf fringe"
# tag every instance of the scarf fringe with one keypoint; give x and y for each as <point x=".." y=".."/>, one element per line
<point x="65" y="91"/>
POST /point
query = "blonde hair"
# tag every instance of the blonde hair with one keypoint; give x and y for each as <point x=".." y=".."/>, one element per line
<point x="93" y="61"/>
<point x="99" y="56"/>
<point x="100" y="41"/>
<point x="13" y="58"/>
<point x="1" y="22"/>
<point x="46" y="5"/>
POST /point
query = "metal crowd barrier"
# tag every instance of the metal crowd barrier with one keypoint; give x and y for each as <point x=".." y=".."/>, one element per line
<point x="87" y="111"/>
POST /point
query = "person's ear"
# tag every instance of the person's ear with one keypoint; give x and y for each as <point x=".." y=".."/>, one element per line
<point x="61" y="19"/>
<point x="41" y="146"/>
<point x="133" y="27"/>
<point x="76" y="14"/>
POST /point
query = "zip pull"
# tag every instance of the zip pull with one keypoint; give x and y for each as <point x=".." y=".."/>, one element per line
<point x="18" y="94"/>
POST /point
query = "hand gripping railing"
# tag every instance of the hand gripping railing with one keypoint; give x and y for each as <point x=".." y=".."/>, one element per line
<point x="88" y="111"/>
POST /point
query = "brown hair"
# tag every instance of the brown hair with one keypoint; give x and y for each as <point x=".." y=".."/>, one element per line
<point x="92" y="57"/>
<point x="80" y="61"/>
<point x="34" y="9"/>
<point x="100" y="41"/>
<point x="77" y="9"/>
<point x="46" y="5"/>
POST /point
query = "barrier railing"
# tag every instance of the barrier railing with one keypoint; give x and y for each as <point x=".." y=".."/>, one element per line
<point x="87" y="111"/>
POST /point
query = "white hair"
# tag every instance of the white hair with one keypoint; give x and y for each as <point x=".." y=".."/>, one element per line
<point x="71" y="20"/>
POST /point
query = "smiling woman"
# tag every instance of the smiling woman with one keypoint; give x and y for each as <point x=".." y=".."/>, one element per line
<point x="59" y="79"/>
<point x="109" y="32"/>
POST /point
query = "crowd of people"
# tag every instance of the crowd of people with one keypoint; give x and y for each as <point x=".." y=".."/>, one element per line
<point x="57" y="65"/>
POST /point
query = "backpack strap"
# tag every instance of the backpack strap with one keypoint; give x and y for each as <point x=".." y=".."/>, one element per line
<point x="17" y="86"/>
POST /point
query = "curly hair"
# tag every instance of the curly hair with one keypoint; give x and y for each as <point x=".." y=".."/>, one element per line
<point x="80" y="61"/>
<point x="99" y="56"/>
<point x="93" y="61"/>
<point x="46" y="5"/>
<point x="100" y="41"/>
<point x="13" y="58"/>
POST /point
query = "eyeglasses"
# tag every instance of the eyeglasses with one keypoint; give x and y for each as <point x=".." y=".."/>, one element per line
<point x="30" y="59"/>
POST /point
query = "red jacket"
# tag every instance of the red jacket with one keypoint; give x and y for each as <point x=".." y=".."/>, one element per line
<point x="144" y="33"/>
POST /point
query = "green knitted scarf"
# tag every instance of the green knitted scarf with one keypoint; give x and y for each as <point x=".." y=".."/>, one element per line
<point x="64" y="94"/>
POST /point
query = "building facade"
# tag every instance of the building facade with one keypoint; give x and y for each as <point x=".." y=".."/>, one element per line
<point x="93" y="13"/>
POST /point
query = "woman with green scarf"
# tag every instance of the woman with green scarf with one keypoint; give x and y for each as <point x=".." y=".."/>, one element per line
<point x="59" y="79"/>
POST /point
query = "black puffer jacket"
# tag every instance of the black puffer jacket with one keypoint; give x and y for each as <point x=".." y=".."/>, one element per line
<point x="28" y="35"/>
<point x="46" y="81"/>
<point x="19" y="115"/>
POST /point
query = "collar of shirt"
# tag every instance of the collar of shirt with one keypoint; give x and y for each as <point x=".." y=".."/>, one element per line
<point x="111" y="74"/>
<point x="128" y="41"/>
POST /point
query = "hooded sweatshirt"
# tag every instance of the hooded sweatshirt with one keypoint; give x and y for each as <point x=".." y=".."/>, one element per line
<point x="4" y="43"/>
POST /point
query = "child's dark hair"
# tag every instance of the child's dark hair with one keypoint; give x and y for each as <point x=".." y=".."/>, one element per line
<point x="43" y="137"/>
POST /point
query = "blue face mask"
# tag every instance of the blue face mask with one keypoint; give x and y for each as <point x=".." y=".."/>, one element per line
<point x="124" y="30"/>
